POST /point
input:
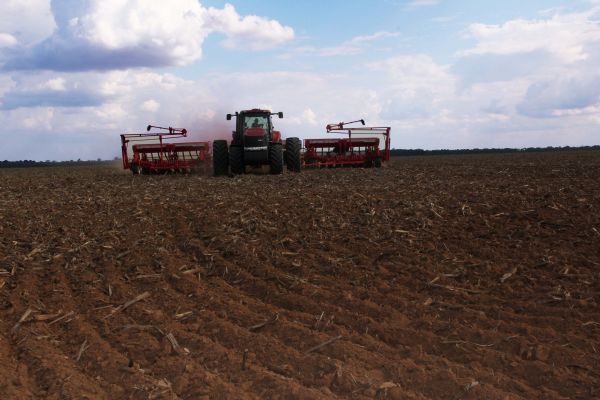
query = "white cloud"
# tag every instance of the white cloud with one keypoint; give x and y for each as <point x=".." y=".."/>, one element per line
<point x="7" y="40"/>
<point x="150" y="105"/>
<point x="561" y="96"/>
<point x="112" y="112"/>
<point x="116" y="34"/>
<point x="375" y="36"/>
<point x="354" y="46"/>
<point x="309" y="116"/>
<point x="414" y="71"/>
<point x="128" y="81"/>
<point x="174" y="29"/>
<point x="48" y="89"/>
<point x="250" y="31"/>
<point x="565" y="36"/>
<point x="333" y="51"/>
<point x="6" y="84"/>
<point x="57" y="84"/>
<point x="25" y="21"/>
<point x="40" y="120"/>
<point x="554" y="62"/>
<point x="593" y="110"/>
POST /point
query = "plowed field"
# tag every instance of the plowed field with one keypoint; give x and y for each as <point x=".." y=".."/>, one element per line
<point x="472" y="277"/>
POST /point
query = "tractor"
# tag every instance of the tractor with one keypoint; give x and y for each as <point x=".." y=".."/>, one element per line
<point x="256" y="143"/>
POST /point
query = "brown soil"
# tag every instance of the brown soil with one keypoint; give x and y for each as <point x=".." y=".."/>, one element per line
<point x="434" y="278"/>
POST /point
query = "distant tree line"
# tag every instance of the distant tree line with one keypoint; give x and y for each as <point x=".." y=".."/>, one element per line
<point x="50" y="163"/>
<point x="421" y="152"/>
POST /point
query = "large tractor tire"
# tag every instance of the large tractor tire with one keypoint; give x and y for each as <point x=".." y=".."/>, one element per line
<point x="236" y="160"/>
<point x="276" y="158"/>
<point x="220" y="158"/>
<point x="292" y="153"/>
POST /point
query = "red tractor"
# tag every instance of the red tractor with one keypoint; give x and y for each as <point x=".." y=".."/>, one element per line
<point x="256" y="142"/>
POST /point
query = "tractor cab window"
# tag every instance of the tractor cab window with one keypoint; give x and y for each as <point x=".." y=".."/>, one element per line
<point x="256" y="122"/>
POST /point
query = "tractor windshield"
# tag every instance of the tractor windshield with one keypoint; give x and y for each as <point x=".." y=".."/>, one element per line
<point x="256" y="121"/>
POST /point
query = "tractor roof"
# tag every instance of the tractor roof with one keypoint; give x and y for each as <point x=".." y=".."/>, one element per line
<point x="255" y="110"/>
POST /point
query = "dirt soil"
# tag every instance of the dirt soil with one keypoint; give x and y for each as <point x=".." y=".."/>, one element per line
<point x="455" y="277"/>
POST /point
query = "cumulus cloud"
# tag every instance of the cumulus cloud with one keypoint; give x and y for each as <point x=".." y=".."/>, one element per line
<point x="7" y="40"/>
<point x="6" y="84"/>
<point x="57" y="84"/>
<point x="478" y="68"/>
<point x="411" y="72"/>
<point x="309" y="116"/>
<point x="374" y="36"/>
<point x="150" y="105"/>
<point x="49" y="90"/>
<point x="354" y="46"/>
<point x="539" y="49"/>
<point x="252" y="31"/>
<point x="25" y="22"/>
<point x="565" y="36"/>
<point x="40" y="120"/>
<point x="561" y="97"/>
<point x="50" y="98"/>
<point x="331" y="51"/>
<point x="552" y="60"/>
<point x="112" y="34"/>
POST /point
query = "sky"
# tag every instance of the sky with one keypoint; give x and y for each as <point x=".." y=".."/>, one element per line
<point x="74" y="74"/>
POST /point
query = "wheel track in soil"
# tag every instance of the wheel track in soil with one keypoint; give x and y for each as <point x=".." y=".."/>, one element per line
<point x="133" y="348"/>
<point x="288" y="332"/>
<point x="210" y="318"/>
<point x="303" y="303"/>
<point x="426" y="341"/>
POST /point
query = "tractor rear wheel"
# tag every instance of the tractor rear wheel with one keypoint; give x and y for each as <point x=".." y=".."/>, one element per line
<point x="236" y="159"/>
<point x="292" y="152"/>
<point x="377" y="162"/>
<point x="220" y="158"/>
<point x="276" y="158"/>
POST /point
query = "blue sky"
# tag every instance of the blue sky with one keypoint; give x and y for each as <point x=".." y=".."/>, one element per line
<point x="443" y="74"/>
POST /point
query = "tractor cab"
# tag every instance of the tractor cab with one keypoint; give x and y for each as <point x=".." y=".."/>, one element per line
<point x="254" y="128"/>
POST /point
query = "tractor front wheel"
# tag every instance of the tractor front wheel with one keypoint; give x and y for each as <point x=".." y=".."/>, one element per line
<point x="236" y="159"/>
<point x="292" y="151"/>
<point x="220" y="158"/>
<point x="276" y="158"/>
